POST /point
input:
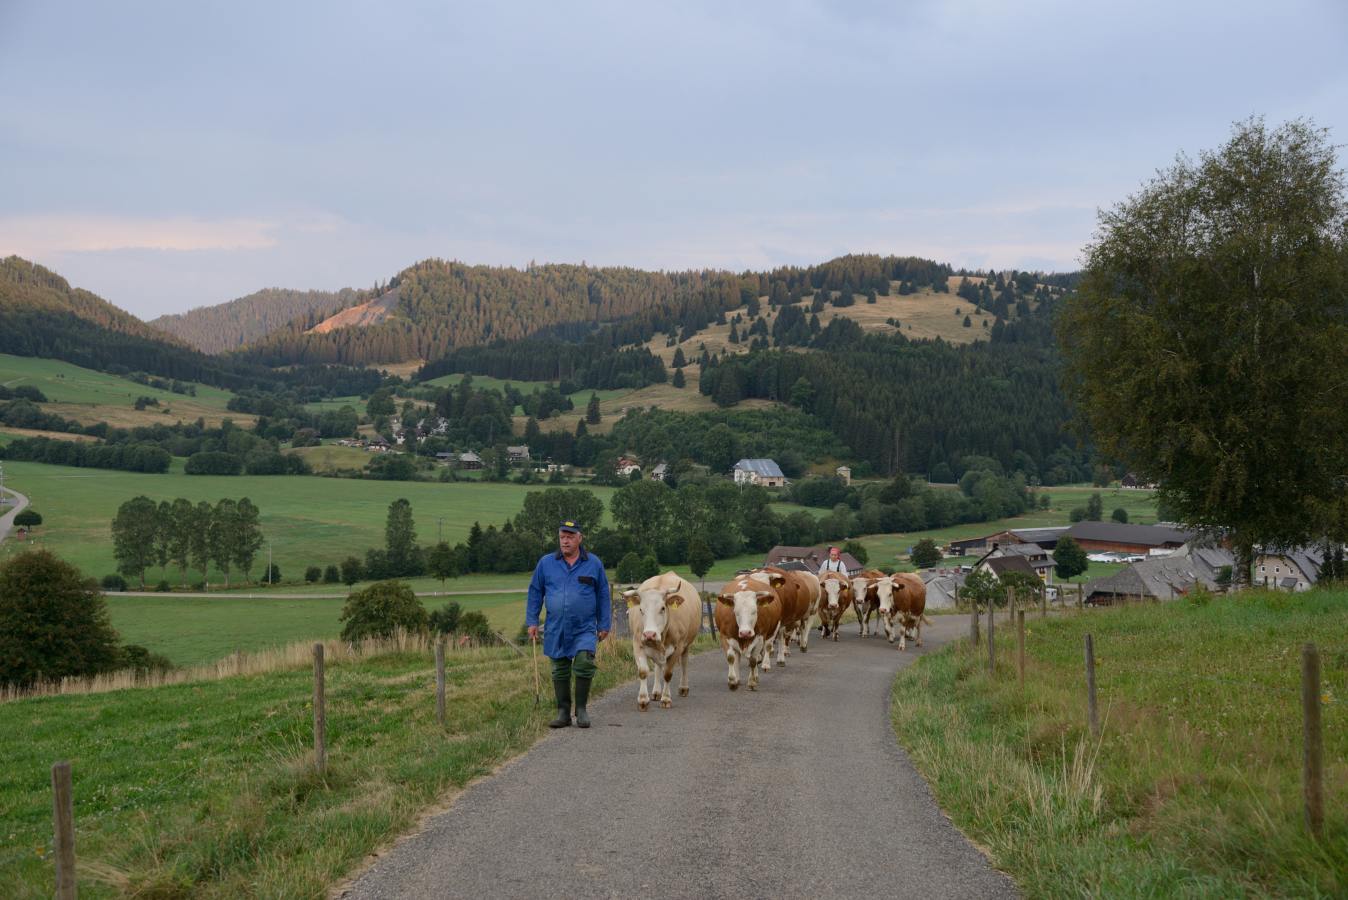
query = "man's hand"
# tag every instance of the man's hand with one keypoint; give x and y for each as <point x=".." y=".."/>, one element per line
<point x="533" y="632"/>
<point x="602" y="635"/>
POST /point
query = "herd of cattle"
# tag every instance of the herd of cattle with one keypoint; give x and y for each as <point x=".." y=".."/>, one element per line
<point x="758" y="614"/>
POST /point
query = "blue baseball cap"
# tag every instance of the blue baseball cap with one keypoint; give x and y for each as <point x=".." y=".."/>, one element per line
<point x="568" y="525"/>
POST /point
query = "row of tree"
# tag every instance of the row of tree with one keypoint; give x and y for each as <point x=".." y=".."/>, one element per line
<point x="184" y="535"/>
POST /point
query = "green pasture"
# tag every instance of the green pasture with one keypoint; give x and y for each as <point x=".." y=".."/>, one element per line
<point x="333" y="404"/>
<point x="1194" y="787"/>
<point x="208" y="789"/>
<point x="193" y="630"/>
<point x="62" y="382"/>
<point x="308" y="520"/>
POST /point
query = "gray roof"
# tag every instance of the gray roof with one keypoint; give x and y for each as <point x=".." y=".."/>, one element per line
<point x="763" y="468"/>
<point x="1035" y="535"/>
<point x="1117" y="532"/>
<point x="1164" y="577"/>
<point x="1000" y="565"/>
<point x="1024" y="550"/>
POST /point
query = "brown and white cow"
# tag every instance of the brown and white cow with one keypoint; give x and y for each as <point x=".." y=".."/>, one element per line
<point x="799" y="594"/>
<point x="904" y="600"/>
<point x="748" y="613"/>
<point x="865" y="598"/>
<point x="835" y="597"/>
<point x="664" y="614"/>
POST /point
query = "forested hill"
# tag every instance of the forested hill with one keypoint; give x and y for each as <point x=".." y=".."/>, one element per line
<point x="229" y="326"/>
<point x="28" y="286"/>
<point x="444" y="306"/>
<point x="41" y="315"/>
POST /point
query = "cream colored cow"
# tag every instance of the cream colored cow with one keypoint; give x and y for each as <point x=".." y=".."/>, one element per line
<point x="664" y="615"/>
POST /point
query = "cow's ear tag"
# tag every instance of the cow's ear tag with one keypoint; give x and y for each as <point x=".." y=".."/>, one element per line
<point x="632" y="597"/>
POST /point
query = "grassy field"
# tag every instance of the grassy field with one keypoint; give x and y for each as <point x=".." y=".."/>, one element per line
<point x="89" y="396"/>
<point x="195" y="630"/>
<point x="1194" y="788"/>
<point x="309" y="521"/>
<point x="333" y="458"/>
<point x="207" y="789"/>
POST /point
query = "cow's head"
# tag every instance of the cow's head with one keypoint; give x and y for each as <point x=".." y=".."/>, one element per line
<point x="834" y="592"/>
<point x="745" y="595"/>
<point x="884" y="592"/>
<point x="654" y="604"/>
<point x="860" y="585"/>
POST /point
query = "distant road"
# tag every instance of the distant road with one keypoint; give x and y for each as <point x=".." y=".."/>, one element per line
<point x="269" y="595"/>
<point x="7" y="520"/>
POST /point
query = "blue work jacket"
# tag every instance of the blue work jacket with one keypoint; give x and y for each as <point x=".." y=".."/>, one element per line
<point x="577" y="597"/>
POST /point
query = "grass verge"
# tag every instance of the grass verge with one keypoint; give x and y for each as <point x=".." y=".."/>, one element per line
<point x="1194" y="787"/>
<point x="207" y="789"/>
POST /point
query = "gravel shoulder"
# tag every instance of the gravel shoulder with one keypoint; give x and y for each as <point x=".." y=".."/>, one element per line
<point x="797" y="790"/>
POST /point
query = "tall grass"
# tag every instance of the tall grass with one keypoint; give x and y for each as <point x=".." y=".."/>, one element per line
<point x="207" y="788"/>
<point x="1193" y="789"/>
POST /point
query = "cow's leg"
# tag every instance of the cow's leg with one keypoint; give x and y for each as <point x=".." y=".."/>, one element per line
<point x="757" y="649"/>
<point x="888" y="621"/>
<point x="861" y="622"/>
<point x="781" y="645"/>
<point x="918" y="638"/>
<point x="683" y="673"/>
<point x="804" y="637"/>
<point x="903" y="634"/>
<point x="667" y="696"/>
<point x="643" y="672"/>
<point x="732" y="656"/>
<point x="657" y="663"/>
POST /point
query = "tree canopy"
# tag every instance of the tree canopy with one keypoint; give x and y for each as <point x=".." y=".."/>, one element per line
<point x="1207" y="345"/>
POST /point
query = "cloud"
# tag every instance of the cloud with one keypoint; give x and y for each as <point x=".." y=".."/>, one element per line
<point x="39" y="235"/>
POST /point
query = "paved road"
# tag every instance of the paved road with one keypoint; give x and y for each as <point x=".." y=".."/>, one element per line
<point x="7" y="520"/>
<point x="798" y="790"/>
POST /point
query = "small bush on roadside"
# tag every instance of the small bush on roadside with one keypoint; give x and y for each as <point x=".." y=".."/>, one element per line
<point x="312" y="574"/>
<point x="475" y="625"/>
<point x="332" y="575"/>
<point x="113" y="582"/>
<point x="163" y="586"/>
<point x="381" y="609"/>
<point x="445" y="620"/>
<point x="134" y="656"/>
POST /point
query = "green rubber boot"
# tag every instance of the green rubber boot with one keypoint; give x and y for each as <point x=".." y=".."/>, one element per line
<point x="562" y="688"/>
<point x="582" y="695"/>
<point x="585" y="670"/>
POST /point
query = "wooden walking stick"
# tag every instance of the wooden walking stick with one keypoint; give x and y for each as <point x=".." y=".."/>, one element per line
<point x="538" y="695"/>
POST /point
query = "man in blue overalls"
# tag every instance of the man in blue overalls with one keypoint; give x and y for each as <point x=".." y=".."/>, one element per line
<point x="573" y="584"/>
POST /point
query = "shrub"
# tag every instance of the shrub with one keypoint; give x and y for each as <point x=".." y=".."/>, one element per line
<point x="475" y="625"/>
<point x="113" y="582"/>
<point x="859" y="553"/>
<point x="213" y="462"/>
<point x="134" y="656"/>
<point x="53" y="621"/>
<point x="313" y="573"/>
<point x="1120" y="515"/>
<point x="445" y="620"/>
<point x="381" y="609"/>
<point x="28" y="518"/>
<point x="163" y="586"/>
<point x="353" y="570"/>
<point x="926" y="554"/>
<point x="272" y="575"/>
<point x="332" y="575"/>
<point x="629" y="569"/>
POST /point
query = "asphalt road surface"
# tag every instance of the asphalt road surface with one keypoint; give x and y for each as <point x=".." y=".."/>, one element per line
<point x="15" y="505"/>
<point x="796" y="790"/>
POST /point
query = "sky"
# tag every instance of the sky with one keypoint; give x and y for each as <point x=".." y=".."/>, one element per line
<point x="172" y="155"/>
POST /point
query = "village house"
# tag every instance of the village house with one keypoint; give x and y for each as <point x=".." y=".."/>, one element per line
<point x="469" y="460"/>
<point x="1132" y="482"/>
<point x="845" y="473"/>
<point x="1045" y="538"/>
<point x="1164" y="577"/>
<point x="1138" y="540"/>
<point x="762" y="472"/>
<point x="626" y="466"/>
<point x="517" y="455"/>
<point x="659" y="472"/>
<point x="943" y="586"/>
<point x="809" y="558"/>
<point x="1289" y="570"/>
<point x="1038" y="558"/>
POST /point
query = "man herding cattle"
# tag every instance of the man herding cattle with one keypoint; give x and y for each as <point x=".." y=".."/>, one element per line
<point x="572" y="584"/>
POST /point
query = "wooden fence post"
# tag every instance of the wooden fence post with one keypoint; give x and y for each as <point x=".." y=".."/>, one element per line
<point x="992" y="650"/>
<point x="1313" y="761"/>
<point x="1020" y="645"/>
<point x="63" y="822"/>
<point x="440" y="681"/>
<point x="320" y="714"/>
<point x="1043" y="601"/>
<point x="1081" y="599"/>
<point x="1092" y="714"/>
<point x="973" y="623"/>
